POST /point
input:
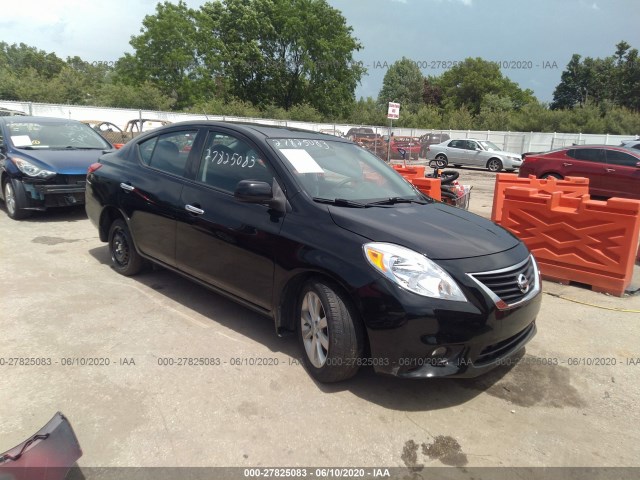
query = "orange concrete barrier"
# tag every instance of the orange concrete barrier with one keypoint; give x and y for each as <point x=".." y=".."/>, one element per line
<point x="428" y="186"/>
<point x="414" y="171"/>
<point x="576" y="239"/>
<point x="571" y="186"/>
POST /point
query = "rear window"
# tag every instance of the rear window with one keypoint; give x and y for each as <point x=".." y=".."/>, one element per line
<point x="586" y="154"/>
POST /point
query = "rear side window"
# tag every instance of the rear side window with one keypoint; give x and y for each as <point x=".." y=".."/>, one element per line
<point x="168" y="152"/>
<point x="458" y="143"/>
<point x="587" y="154"/>
<point x="620" y="158"/>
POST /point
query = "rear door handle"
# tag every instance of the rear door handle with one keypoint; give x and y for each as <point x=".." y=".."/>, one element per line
<point x="609" y="170"/>
<point x="567" y="164"/>
<point x="192" y="209"/>
<point x="127" y="187"/>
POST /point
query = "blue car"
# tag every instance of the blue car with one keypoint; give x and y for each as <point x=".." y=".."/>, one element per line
<point x="44" y="162"/>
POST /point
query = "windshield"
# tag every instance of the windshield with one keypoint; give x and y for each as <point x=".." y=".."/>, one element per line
<point x="339" y="172"/>
<point x="492" y="147"/>
<point x="49" y="135"/>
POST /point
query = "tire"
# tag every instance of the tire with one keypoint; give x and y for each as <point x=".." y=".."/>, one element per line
<point x="330" y="336"/>
<point x="494" y="165"/>
<point x="125" y="258"/>
<point x="554" y="175"/>
<point x="14" y="202"/>
<point x="441" y="161"/>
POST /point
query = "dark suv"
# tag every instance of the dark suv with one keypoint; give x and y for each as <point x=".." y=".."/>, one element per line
<point x="326" y="239"/>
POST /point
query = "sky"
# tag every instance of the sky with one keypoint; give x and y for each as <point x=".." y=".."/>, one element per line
<point x="532" y="39"/>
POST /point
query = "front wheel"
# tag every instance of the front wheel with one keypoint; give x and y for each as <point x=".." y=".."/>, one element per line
<point x="330" y="336"/>
<point x="494" y="165"/>
<point x="14" y="202"/>
<point x="125" y="258"/>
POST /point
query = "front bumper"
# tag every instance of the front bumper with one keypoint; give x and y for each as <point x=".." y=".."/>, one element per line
<point x="68" y="190"/>
<point x="413" y="337"/>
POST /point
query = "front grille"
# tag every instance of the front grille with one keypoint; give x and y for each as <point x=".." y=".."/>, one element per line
<point x="500" y="349"/>
<point x="505" y="284"/>
<point x="70" y="179"/>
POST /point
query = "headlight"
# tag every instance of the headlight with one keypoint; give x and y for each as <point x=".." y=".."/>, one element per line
<point x="412" y="271"/>
<point x="30" y="169"/>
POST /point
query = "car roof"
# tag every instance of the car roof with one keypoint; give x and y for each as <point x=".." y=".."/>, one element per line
<point x="265" y="131"/>
<point x="27" y="118"/>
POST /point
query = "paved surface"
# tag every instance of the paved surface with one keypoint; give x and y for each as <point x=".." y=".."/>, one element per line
<point x="61" y="300"/>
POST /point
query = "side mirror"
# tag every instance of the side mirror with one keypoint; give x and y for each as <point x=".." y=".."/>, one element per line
<point x="253" y="191"/>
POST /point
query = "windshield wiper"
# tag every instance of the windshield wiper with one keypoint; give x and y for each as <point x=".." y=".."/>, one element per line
<point x="394" y="200"/>
<point x="340" y="202"/>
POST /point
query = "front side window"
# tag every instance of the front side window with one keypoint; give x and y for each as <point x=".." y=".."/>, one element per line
<point x="616" y="157"/>
<point x="168" y="152"/>
<point x="226" y="160"/>
<point x="335" y="171"/>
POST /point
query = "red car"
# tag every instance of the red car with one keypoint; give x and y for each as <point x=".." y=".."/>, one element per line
<point x="612" y="171"/>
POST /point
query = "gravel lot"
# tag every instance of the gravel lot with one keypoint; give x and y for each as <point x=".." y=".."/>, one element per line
<point x="571" y="399"/>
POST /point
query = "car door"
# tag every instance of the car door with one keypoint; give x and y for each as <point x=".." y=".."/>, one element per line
<point x="220" y="240"/>
<point x="455" y="151"/>
<point x="622" y="174"/>
<point x="475" y="155"/>
<point x="150" y="192"/>
<point x="589" y="163"/>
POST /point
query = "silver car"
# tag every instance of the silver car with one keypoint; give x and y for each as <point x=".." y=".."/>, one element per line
<point x="477" y="153"/>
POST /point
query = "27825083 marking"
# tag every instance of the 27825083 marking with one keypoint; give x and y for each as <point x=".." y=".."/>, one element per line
<point x="25" y="361"/>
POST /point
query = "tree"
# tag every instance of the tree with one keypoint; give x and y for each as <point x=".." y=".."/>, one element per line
<point x="467" y="83"/>
<point x="403" y="83"/>
<point x="285" y="52"/>
<point x="166" y="55"/>
<point x="614" y="79"/>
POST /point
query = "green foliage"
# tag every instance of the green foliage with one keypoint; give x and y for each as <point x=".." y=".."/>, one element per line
<point x="282" y="52"/>
<point x="467" y="83"/>
<point x="403" y="83"/>
<point x="614" y="79"/>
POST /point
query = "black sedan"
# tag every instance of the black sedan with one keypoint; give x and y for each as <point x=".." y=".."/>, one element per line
<point x="325" y="238"/>
<point x="44" y="162"/>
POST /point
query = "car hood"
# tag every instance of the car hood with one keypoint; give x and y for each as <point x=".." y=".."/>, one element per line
<point x="67" y="162"/>
<point x="439" y="231"/>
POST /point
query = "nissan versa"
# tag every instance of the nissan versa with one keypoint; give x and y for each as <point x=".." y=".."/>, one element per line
<point x="44" y="161"/>
<point x="325" y="238"/>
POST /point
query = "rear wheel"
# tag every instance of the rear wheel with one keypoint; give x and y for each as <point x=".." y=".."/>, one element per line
<point x="125" y="258"/>
<point x="552" y="175"/>
<point x="440" y="161"/>
<point x="14" y="203"/>
<point x="330" y="336"/>
<point x="494" y="165"/>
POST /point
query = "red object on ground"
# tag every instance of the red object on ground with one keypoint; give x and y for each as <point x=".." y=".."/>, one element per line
<point x="576" y="239"/>
<point x="570" y="186"/>
<point x="428" y="186"/>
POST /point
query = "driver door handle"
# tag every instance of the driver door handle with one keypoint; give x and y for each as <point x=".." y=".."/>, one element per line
<point x="609" y="170"/>
<point x="127" y="187"/>
<point x="565" y="164"/>
<point x="193" y="209"/>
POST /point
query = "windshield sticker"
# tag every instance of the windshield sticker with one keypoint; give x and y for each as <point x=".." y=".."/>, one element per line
<point x="302" y="161"/>
<point x="21" y="140"/>
<point x="294" y="142"/>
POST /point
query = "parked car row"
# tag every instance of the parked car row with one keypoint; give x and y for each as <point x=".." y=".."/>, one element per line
<point x="612" y="171"/>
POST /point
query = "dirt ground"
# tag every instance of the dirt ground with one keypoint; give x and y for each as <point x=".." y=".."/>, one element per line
<point x="570" y="400"/>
